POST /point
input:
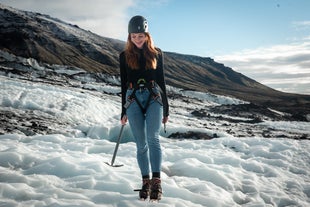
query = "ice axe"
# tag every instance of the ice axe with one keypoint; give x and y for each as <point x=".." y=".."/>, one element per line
<point x="116" y="148"/>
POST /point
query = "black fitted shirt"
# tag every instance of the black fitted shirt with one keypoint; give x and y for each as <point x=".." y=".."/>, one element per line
<point x="129" y="75"/>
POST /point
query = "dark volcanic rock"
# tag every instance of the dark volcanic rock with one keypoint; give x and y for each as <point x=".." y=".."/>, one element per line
<point x="28" y="122"/>
<point x="191" y="135"/>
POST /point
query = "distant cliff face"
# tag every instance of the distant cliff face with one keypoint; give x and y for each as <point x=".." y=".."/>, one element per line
<point x="53" y="41"/>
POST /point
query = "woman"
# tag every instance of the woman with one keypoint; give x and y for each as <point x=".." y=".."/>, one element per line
<point x="144" y="101"/>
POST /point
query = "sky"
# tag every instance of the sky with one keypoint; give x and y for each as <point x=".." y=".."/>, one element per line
<point x="267" y="40"/>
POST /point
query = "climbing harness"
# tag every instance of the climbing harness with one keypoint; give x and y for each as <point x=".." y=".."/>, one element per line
<point x="142" y="85"/>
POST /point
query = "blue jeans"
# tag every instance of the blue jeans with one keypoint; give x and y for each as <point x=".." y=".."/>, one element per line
<point x="145" y="129"/>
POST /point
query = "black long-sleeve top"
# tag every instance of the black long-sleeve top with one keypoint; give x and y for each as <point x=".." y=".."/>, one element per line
<point x="129" y="75"/>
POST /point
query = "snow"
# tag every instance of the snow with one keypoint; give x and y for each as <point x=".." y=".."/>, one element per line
<point x="56" y="170"/>
<point x="68" y="168"/>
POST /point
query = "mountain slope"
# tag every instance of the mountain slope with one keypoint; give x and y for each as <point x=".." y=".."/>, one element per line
<point x="53" y="41"/>
<point x="204" y="74"/>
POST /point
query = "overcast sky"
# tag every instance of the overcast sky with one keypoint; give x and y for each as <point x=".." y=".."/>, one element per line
<point x="267" y="40"/>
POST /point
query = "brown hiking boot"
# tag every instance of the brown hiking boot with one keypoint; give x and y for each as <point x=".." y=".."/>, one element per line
<point x="156" y="190"/>
<point x="145" y="190"/>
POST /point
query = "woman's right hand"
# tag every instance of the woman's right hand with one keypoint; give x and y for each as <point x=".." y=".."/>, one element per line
<point x="124" y="120"/>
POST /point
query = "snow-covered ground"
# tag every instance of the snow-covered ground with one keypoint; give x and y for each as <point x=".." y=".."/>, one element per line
<point x="67" y="167"/>
<point x="58" y="170"/>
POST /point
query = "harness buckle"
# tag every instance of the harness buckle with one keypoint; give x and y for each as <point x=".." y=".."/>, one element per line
<point x="141" y="83"/>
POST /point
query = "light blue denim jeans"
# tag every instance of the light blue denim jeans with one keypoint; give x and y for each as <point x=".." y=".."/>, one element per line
<point x="145" y="129"/>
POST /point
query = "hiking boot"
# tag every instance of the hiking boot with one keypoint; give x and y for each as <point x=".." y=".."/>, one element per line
<point x="145" y="190"/>
<point x="156" y="190"/>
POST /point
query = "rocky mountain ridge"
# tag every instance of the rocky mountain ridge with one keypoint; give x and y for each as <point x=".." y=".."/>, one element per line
<point x="52" y="41"/>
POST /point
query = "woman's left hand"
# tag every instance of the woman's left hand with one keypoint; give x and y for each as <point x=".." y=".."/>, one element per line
<point x="165" y="119"/>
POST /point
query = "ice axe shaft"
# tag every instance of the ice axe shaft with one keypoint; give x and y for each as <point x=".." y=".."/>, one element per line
<point x="116" y="147"/>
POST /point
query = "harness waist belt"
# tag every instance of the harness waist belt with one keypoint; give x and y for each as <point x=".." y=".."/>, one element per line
<point x="142" y="85"/>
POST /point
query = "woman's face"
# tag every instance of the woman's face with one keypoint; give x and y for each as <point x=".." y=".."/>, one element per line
<point x="138" y="39"/>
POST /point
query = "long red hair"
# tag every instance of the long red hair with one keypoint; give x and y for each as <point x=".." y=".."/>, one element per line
<point x="150" y="53"/>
